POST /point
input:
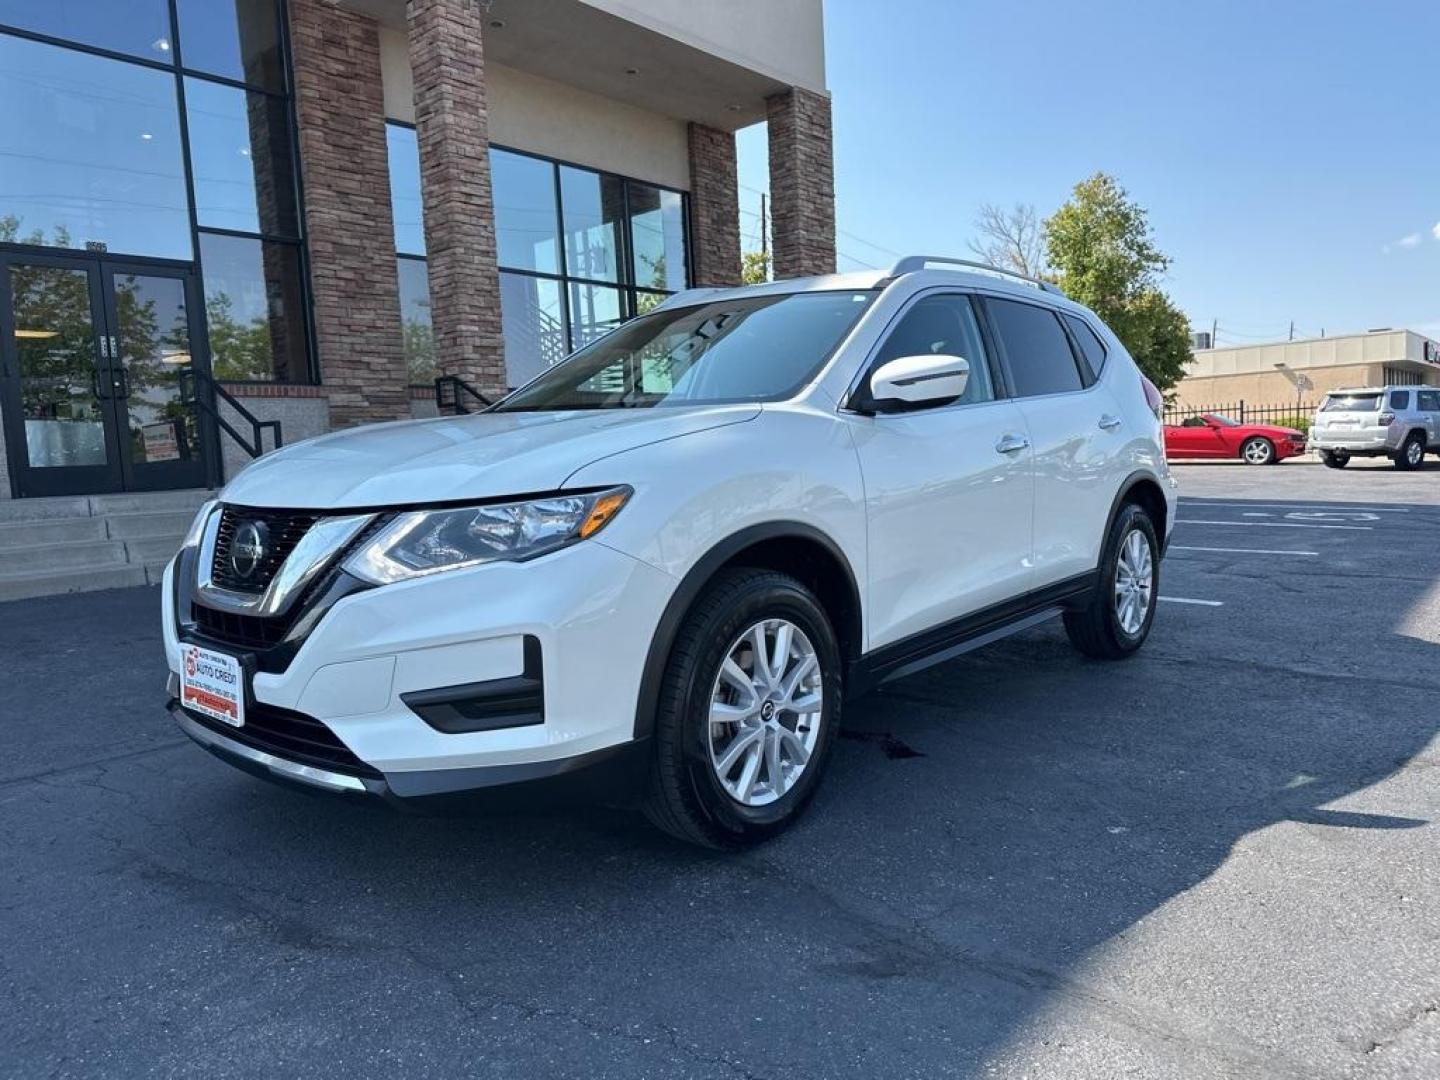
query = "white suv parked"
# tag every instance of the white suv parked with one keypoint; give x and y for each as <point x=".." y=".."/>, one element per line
<point x="1398" y="422"/>
<point x="676" y="553"/>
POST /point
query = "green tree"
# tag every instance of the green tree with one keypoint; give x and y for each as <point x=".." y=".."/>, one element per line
<point x="239" y="351"/>
<point x="1102" y="253"/>
<point x="755" y="267"/>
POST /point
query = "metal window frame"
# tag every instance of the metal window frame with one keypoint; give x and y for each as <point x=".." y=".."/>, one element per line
<point x="179" y="72"/>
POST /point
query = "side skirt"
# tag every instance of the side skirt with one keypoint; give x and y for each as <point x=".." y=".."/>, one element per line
<point x="969" y="632"/>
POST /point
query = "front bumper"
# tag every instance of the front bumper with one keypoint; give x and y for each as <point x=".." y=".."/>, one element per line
<point x="372" y="662"/>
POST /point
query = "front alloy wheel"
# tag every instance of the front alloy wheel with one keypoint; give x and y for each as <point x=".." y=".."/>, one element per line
<point x="747" y="713"/>
<point x="1257" y="451"/>
<point x="765" y="712"/>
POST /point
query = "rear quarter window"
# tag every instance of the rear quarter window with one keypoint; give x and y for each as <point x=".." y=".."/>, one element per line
<point x="1399" y="399"/>
<point x="1092" y="349"/>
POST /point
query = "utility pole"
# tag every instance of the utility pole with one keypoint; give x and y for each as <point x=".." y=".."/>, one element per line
<point x="1292" y="329"/>
<point x="764" y="246"/>
<point x="1214" y="333"/>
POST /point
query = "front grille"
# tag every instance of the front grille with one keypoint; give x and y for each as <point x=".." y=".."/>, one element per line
<point x="284" y="529"/>
<point x="290" y="735"/>
<point x="248" y="632"/>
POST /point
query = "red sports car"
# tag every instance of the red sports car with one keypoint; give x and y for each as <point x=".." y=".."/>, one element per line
<point x="1211" y="435"/>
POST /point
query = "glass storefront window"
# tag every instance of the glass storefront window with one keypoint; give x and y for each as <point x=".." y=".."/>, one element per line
<point x="237" y="39"/>
<point x="405" y="189"/>
<point x="240" y="158"/>
<point x="657" y="230"/>
<point x="526" y="229"/>
<point x="419" y="337"/>
<point x="254" y="308"/>
<point x="93" y="156"/>
<point x="136" y="27"/>
<point x="595" y="310"/>
<point x="593" y="207"/>
<point x="533" y="325"/>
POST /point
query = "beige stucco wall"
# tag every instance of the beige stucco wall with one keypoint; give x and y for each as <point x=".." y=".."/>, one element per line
<point x="531" y="113"/>
<point x="1305" y="355"/>
<point x="783" y="38"/>
<point x="1272" y="387"/>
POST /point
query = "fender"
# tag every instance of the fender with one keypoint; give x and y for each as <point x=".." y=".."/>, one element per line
<point x="695" y="580"/>
<point x="1127" y="486"/>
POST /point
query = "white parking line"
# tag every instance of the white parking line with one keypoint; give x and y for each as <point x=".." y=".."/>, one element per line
<point x="1188" y="600"/>
<point x="1272" y="524"/>
<point x="1200" y="504"/>
<point x="1241" y="551"/>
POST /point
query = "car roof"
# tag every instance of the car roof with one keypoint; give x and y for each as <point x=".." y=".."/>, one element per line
<point x="968" y="276"/>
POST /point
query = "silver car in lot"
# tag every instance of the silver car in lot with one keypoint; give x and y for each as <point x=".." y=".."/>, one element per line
<point x="1398" y="422"/>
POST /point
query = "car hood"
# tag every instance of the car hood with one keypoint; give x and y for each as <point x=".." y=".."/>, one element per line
<point x="483" y="456"/>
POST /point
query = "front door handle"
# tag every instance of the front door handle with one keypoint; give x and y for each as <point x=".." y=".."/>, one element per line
<point x="1010" y="443"/>
<point x="1109" y="422"/>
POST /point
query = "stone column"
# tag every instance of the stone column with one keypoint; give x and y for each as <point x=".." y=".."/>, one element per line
<point x="448" y="60"/>
<point x="802" y="183"/>
<point x="343" y="159"/>
<point x="714" y="207"/>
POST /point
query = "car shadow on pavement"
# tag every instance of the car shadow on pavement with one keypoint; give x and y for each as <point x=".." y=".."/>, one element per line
<point x="929" y="909"/>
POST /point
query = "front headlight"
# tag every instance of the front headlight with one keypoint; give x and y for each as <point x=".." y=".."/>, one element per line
<point x="419" y="542"/>
<point x="197" y="526"/>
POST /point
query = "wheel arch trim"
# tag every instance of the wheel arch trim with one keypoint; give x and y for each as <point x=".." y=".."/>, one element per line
<point x="699" y="575"/>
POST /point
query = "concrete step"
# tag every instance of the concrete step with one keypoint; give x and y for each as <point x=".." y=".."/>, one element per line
<point x="54" y="558"/>
<point x="153" y="550"/>
<point x="20" y="510"/>
<point x="13" y="511"/>
<point x="164" y="523"/>
<point x="27" y="534"/>
<point x="26" y="586"/>
<point x="149" y="502"/>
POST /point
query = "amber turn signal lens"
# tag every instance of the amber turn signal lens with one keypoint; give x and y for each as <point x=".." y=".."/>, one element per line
<point x="605" y="508"/>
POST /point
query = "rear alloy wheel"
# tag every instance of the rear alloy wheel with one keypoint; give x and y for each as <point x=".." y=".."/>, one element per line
<point x="1334" y="459"/>
<point x="1118" y="618"/>
<point x="1411" y="453"/>
<point x="1258" y="451"/>
<point x="747" y="713"/>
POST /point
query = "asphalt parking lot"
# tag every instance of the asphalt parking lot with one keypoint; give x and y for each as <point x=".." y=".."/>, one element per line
<point x="1219" y="859"/>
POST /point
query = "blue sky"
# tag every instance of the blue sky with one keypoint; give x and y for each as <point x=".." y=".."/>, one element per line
<point x="1288" y="152"/>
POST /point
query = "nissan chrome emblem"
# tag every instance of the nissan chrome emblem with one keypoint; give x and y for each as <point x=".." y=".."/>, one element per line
<point x="248" y="548"/>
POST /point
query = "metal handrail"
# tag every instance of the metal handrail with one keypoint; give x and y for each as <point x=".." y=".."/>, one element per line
<point x="910" y="263"/>
<point x="255" y="445"/>
<point x="457" y="386"/>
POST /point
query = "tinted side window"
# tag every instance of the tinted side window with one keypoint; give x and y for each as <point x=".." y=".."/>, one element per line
<point x="1036" y="347"/>
<point x="942" y="324"/>
<point x="1092" y="349"/>
<point x="1430" y="400"/>
<point x="1399" y="399"/>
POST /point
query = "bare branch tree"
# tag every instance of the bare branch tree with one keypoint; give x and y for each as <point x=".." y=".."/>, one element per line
<point x="1011" y="239"/>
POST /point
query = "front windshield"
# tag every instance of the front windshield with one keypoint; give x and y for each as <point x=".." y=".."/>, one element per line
<point x="754" y="348"/>
<point x="1223" y="421"/>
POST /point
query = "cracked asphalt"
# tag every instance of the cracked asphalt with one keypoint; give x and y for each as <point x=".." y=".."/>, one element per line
<point x="1218" y="859"/>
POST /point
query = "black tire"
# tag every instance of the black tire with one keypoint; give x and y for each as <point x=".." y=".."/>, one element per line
<point x="1095" y="629"/>
<point x="1262" y="449"/>
<point x="1411" y="454"/>
<point x="684" y="796"/>
<point x="1334" y="459"/>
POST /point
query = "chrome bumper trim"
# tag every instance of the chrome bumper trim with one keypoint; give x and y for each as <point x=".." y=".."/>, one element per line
<point x="290" y="770"/>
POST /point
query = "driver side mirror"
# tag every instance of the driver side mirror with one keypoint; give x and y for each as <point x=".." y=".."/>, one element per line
<point x="926" y="379"/>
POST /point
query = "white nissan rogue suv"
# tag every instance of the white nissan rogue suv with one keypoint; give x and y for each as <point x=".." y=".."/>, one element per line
<point x="674" y="555"/>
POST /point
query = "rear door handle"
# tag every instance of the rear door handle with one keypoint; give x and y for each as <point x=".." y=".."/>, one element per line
<point x="1109" y="422"/>
<point x="1010" y="443"/>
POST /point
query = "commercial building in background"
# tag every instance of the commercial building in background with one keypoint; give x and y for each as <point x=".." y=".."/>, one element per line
<point x="316" y="206"/>
<point x="1290" y="372"/>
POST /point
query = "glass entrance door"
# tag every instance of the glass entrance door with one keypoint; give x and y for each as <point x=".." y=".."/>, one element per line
<point x="92" y="357"/>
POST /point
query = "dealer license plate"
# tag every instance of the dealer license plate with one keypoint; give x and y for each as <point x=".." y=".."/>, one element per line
<point x="213" y="683"/>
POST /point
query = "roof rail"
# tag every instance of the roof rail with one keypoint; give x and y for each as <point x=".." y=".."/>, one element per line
<point x="910" y="263"/>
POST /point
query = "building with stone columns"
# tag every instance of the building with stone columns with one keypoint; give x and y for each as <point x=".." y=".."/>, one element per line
<point x="317" y="206"/>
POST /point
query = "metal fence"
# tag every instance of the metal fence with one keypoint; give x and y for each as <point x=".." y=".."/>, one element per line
<point x="1294" y="414"/>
